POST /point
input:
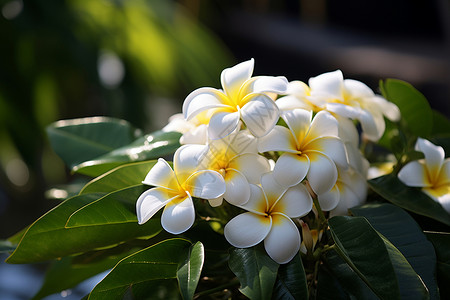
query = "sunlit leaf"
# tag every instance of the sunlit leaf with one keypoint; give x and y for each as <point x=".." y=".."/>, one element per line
<point x="414" y="107"/>
<point x="48" y="238"/>
<point x="139" y="275"/>
<point x="151" y="146"/>
<point x="256" y="271"/>
<point x="441" y="243"/>
<point x="392" y="189"/>
<point x="79" y="140"/>
<point x="406" y="235"/>
<point x="291" y="281"/>
<point x="189" y="270"/>
<point x="119" y="178"/>
<point x="365" y="252"/>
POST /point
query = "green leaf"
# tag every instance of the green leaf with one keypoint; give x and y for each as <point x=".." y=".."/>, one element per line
<point x="151" y="146"/>
<point x="441" y="243"/>
<point x="119" y="178"/>
<point x="48" y="238"/>
<point x="414" y="107"/>
<point x="406" y="235"/>
<point x="392" y="189"/>
<point x="441" y="124"/>
<point x="118" y="207"/>
<point x="365" y="252"/>
<point x="189" y="270"/>
<point x="139" y="275"/>
<point x="291" y="281"/>
<point x="67" y="272"/>
<point x="79" y="140"/>
<point x="328" y="286"/>
<point x="256" y="271"/>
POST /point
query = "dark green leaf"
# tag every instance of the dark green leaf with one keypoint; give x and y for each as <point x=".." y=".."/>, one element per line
<point x="119" y="178"/>
<point x="392" y="189"/>
<point x="291" y="281"/>
<point x="48" y="238"/>
<point x="441" y="243"/>
<point x="415" y="111"/>
<point x="406" y="235"/>
<point x="328" y="286"/>
<point x="256" y="271"/>
<point x="441" y="124"/>
<point x="189" y="270"/>
<point x="139" y="275"/>
<point x="365" y="252"/>
<point x="118" y="207"/>
<point x="69" y="271"/>
<point x="151" y="146"/>
<point x="79" y="140"/>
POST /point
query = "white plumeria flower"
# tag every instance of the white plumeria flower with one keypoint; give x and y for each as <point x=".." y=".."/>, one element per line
<point x="243" y="97"/>
<point x="297" y="95"/>
<point x="432" y="174"/>
<point x="312" y="150"/>
<point x="353" y="99"/>
<point x="175" y="188"/>
<point x="268" y="218"/>
<point x="236" y="158"/>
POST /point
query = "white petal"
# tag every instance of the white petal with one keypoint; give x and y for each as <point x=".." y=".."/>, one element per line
<point x="247" y="230"/>
<point x="257" y="202"/>
<point x="272" y="189"/>
<point x="290" y="169"/>
<point x="216" y="201"/>
<point x="440" y="194"/>
<point x="238" y="143"/>
<point x="283" y="241"/>
<point x="178" y="216"/>
<point x="296" y="202"/>
<point x="444" y="200"/>
<point x="331" y="147"/>
<point x="331" y="83"/>
<point x="278" y="139"/>
<point x="237" y="188"/>
<point x="357" y="89"/>
<point x="434" y="157"/>
<point x="161" y="174"/>
<point x="372" y="125"/>
<point x="187" y="159"/>
<point x="233" y="78"/>
<point x="414" y="174"/>
<point x="323" y="124"/>
<point x="299" y="122"/>
<point x="297" y="88"/>
<point x="261" y="84"/>
<point x="329" y="200"/>
<point x="260" y="114"/>
<point x="389" y="109"/>
<point x="348" y="199"/>
<point x="444" y="175"/>
<point x="205" y="184"/>
<point x="152" y="200"/>
<point x="347" y="131"/>
<point x="202" y="99"/>
<point x="222" y="124"/>
<point x="197" y="135"/>
<point x="322" y="174"/>
<point x="344" y="110"/>
<point x="251" y="165"/>
<point x="288" y="103"/>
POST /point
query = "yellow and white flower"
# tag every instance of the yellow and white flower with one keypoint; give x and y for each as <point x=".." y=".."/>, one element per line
<point x="352" y="99"/>
<point x="297" y="96"/>
<point x="268" y="218"/>
<point x="432" y="173"/>
<point x="312" y="150"/>
<point x="243" y="98"/>
<point x="175" y="188"/>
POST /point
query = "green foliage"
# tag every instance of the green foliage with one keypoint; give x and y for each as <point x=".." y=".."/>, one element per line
<point x="441" y="243"/>
<point x="291" y="281"/>
<point x="189" y="270"/>
<point x="256" y="271"/>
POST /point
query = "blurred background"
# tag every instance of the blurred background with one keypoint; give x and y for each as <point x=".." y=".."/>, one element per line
<point x="138" y="59"/>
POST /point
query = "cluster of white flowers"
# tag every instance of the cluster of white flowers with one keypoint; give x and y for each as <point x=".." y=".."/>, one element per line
<point x="235" y="151"/>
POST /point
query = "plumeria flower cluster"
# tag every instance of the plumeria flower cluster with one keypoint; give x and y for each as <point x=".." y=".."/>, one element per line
<point x="270" y="148"/>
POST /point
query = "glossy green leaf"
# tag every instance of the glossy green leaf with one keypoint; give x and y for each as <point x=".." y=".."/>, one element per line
<point x="151" y="146"/>
<point x="441" y="243"/>
<point x="414" y="107"/>
<point x="392" y="189"/>
<point x="365" y="252"/>
<point x="48" y="238"/>
<point x="119" y="178"/>
<point x="256" y="271"/>
<point x="67" y="272"/>
<point x="291" y="281"/>
<point x="138" y="275"/>
<point x="406" y="235"/>
<point x="189" y="270"/>
<point x="79" y="140"/>
<point x="338" y="281"/>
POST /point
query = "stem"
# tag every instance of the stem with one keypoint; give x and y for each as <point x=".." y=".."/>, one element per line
<point x="322" y="218"/>
<point x="219" y="288"/>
